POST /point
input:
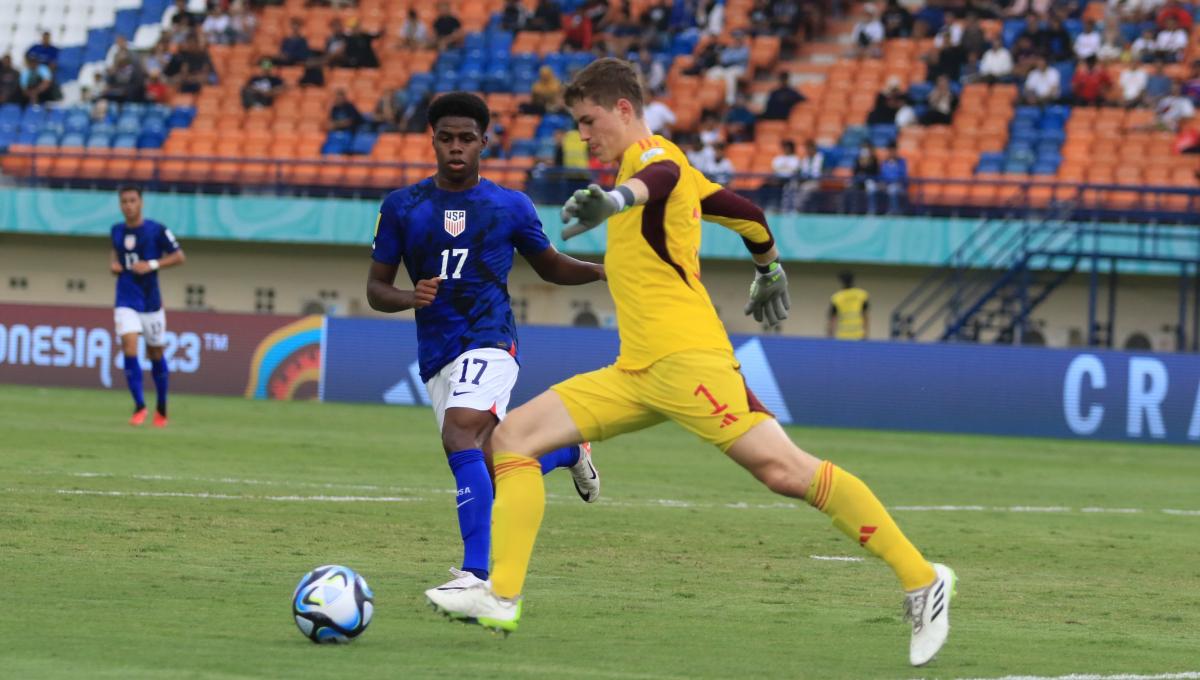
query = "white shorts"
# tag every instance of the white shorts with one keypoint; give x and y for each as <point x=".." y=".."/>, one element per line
<point x="153" y="325"/>
<point x="479" y="379"/>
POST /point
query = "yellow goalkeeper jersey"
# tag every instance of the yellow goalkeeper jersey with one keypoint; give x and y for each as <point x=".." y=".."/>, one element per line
<point x="653" y="263"/>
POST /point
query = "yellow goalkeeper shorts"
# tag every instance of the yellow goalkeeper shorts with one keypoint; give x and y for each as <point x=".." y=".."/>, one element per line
<point x="702" y="390"/>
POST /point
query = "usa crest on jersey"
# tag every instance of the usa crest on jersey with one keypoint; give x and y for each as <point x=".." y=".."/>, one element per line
<point x="130" y="241"/>
<point x="455" y="222"/>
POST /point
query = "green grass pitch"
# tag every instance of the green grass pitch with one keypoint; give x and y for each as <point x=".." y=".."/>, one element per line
<point x="172" y="554"/>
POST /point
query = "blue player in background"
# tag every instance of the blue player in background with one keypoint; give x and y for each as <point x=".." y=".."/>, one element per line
<point x="140" y="248"/>
<point x="455" y="233"/>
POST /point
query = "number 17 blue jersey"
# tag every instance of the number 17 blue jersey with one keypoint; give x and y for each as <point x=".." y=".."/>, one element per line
<point x="467" y="238"/>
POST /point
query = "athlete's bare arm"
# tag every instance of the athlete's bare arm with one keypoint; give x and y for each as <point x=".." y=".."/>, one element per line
<point x="564" y="270"/>
<point x="144" y="267"/>
<point x="384" y="296"/>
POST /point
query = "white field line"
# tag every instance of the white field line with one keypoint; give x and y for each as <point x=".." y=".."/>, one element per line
<point x="415" y="494"/>
<point x="1188" y="675"/>
<point x="836" y="558"/>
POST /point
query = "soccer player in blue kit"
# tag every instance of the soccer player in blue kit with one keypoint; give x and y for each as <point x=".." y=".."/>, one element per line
<point x="140" y="248"/>
<point x="455" y="233"/>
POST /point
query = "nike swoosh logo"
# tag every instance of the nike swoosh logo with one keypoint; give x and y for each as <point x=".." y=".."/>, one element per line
<point x="459" y="394"/>
<point x="451" y="588"/>
<point x="465" y="502"/>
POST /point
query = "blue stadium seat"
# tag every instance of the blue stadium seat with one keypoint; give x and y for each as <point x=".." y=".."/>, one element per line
<point x="99" y="141"/>
<point x="128" y="124"/>
<point x="26" y="137"/>
<point x="126" y="23"/>
<point x="1041" y="168"/>
<point x="10" y="113"/>
<point x="363" y="142"/>
<point x="151" y="140"/>
<point x="990" y="166"/>
<point x="181" y="117"/>
<point x="1016" y="168"/>
<point x="1013" y="28"/>
<point x="499" y="40"/>
<point x="919" y="91"/>
<point x="103" y="128"/>
<point x="7" y="137"/>
<point x="77" y="122"/>
<point x="523" y="148"/>
<point x="46" y="138"/>
<point x="125" y="141"/>
<point x="474" y="41"/>
<point x="993" y="157"/>
<point x="73" y="140"/>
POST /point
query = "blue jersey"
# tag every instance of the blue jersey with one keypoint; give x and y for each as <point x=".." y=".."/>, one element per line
<point x="150" y="241"/>
<point x="467" y="238"/>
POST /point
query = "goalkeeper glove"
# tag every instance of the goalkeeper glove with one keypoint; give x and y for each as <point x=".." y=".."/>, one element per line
<point x="769" y="295"/>
<point x="588" y="208"/>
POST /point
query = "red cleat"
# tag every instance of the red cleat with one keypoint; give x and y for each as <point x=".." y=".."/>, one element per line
<point x="160" y="420"/>
<point x="138" y="417"/>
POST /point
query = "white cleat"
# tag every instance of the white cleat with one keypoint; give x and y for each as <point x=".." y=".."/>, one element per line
<point x="929" y="611"/>
<point x="587" y="480"/>
<point x="479" y="605"/>
<point x="461" y="581"/>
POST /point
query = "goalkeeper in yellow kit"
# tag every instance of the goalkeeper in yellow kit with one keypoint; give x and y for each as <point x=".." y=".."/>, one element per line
<point x="675" y="363"/>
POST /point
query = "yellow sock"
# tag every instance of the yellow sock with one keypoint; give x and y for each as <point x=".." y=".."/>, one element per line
<point x="516" y="517"/>
<point x="859" y="514"/>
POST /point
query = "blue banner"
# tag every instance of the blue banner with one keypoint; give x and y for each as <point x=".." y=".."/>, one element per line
<point x="1080" y="394"/>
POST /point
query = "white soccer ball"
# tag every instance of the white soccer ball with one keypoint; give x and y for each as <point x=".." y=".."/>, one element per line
<point x="332" y="604"/>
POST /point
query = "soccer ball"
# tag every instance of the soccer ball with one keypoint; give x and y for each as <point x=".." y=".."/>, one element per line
<point x="332" y="604"/>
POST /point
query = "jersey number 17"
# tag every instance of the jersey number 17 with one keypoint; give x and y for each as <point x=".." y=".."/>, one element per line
<point x="459" y="255"/>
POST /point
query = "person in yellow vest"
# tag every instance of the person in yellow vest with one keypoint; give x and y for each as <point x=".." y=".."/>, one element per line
<point x="848" y="318"/>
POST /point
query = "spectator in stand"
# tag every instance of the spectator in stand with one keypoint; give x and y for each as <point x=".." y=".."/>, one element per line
<point x="343" y="115"/>
<point x="740" y="120"/>
<point x="784" y="167"/>
<point x="864" y="181"/>
<point x="243" y="22"/>
<point x="781" y="100"/>
<point x="159" y="57"/>
<point x="868" y="33"/>
<point x="806" y="180"/>
<point x="701" y="157"/>
<point x="760" y="18"/>
<point x="156" y="88"/>
<point x="335" y="44"/>
<point x="732" y="64"/>
<point x="893" y="174"/>
<point x="513" y="16"/>
<point x="1177" y="11"/>
<point x="1089" y="41"/>
<point x="710" y="17"/>
<point x="1158" y="85"/>
<point x="948" y="57"/>
<point x="1126" y="11"/>
<point x="786" y="20"/>
<point x="447" y="29"/>
<point x="1024" y="57"/>
<point x="1112" y="46"/>
<point x="218" y="28"/>
<point x="950" y="35"/>
<point x="659" y="118"/>
<point x="360" y="53"/>
<point x="546" y="93"/>
<point x="1043" y="84"/>
<point x="1054" y="39"/>
<point x="1145" y="48"/>
<point x="179" y="9"/>
<point x="721" y="171"/>
<point x="1091" y="83"/>
<point x="897" y="20"/>
<point x="888" y="103"/>
<point x="10" y="83"/>
<point x="44" y="52"/>
<point x="547" y="16"/>
<point x="577" y="31"/>
<point x="191" y="66"/>
<point x="597" y="11"/>
<point x="996" y="65"/>
<point x="1133" y="82"/>
<point x="120" y="46"/>
<point x="125" y="82"/>
<point x="710" y="129"/>
<point x="653" y="72"/>
<point x="262" y="88"/>
<point x="389" y="110"/>
<point x="1022" y="8"/>
<point x="1174" y="108"/>
<point x="1191" y="85"/>
<point x="942" y="102"/>
<point x="709" y="58"/>
<point x="1171" y="42"/>
<point x="973" y="40"/>
<point x="37" y="83"/>
<point x="294" y="50"/>
<point x="412" y="35"/>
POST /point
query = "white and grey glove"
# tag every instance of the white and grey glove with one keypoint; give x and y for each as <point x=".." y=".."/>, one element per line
<point x="588" y="208"/>
<point x="769" y="295"/>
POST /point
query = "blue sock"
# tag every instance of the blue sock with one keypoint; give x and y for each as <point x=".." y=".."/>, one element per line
<point x="474" y="509"/>
<point x="158" y="369"/>
<point x="133" y="378"/>
<point x="564" y="457"/>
